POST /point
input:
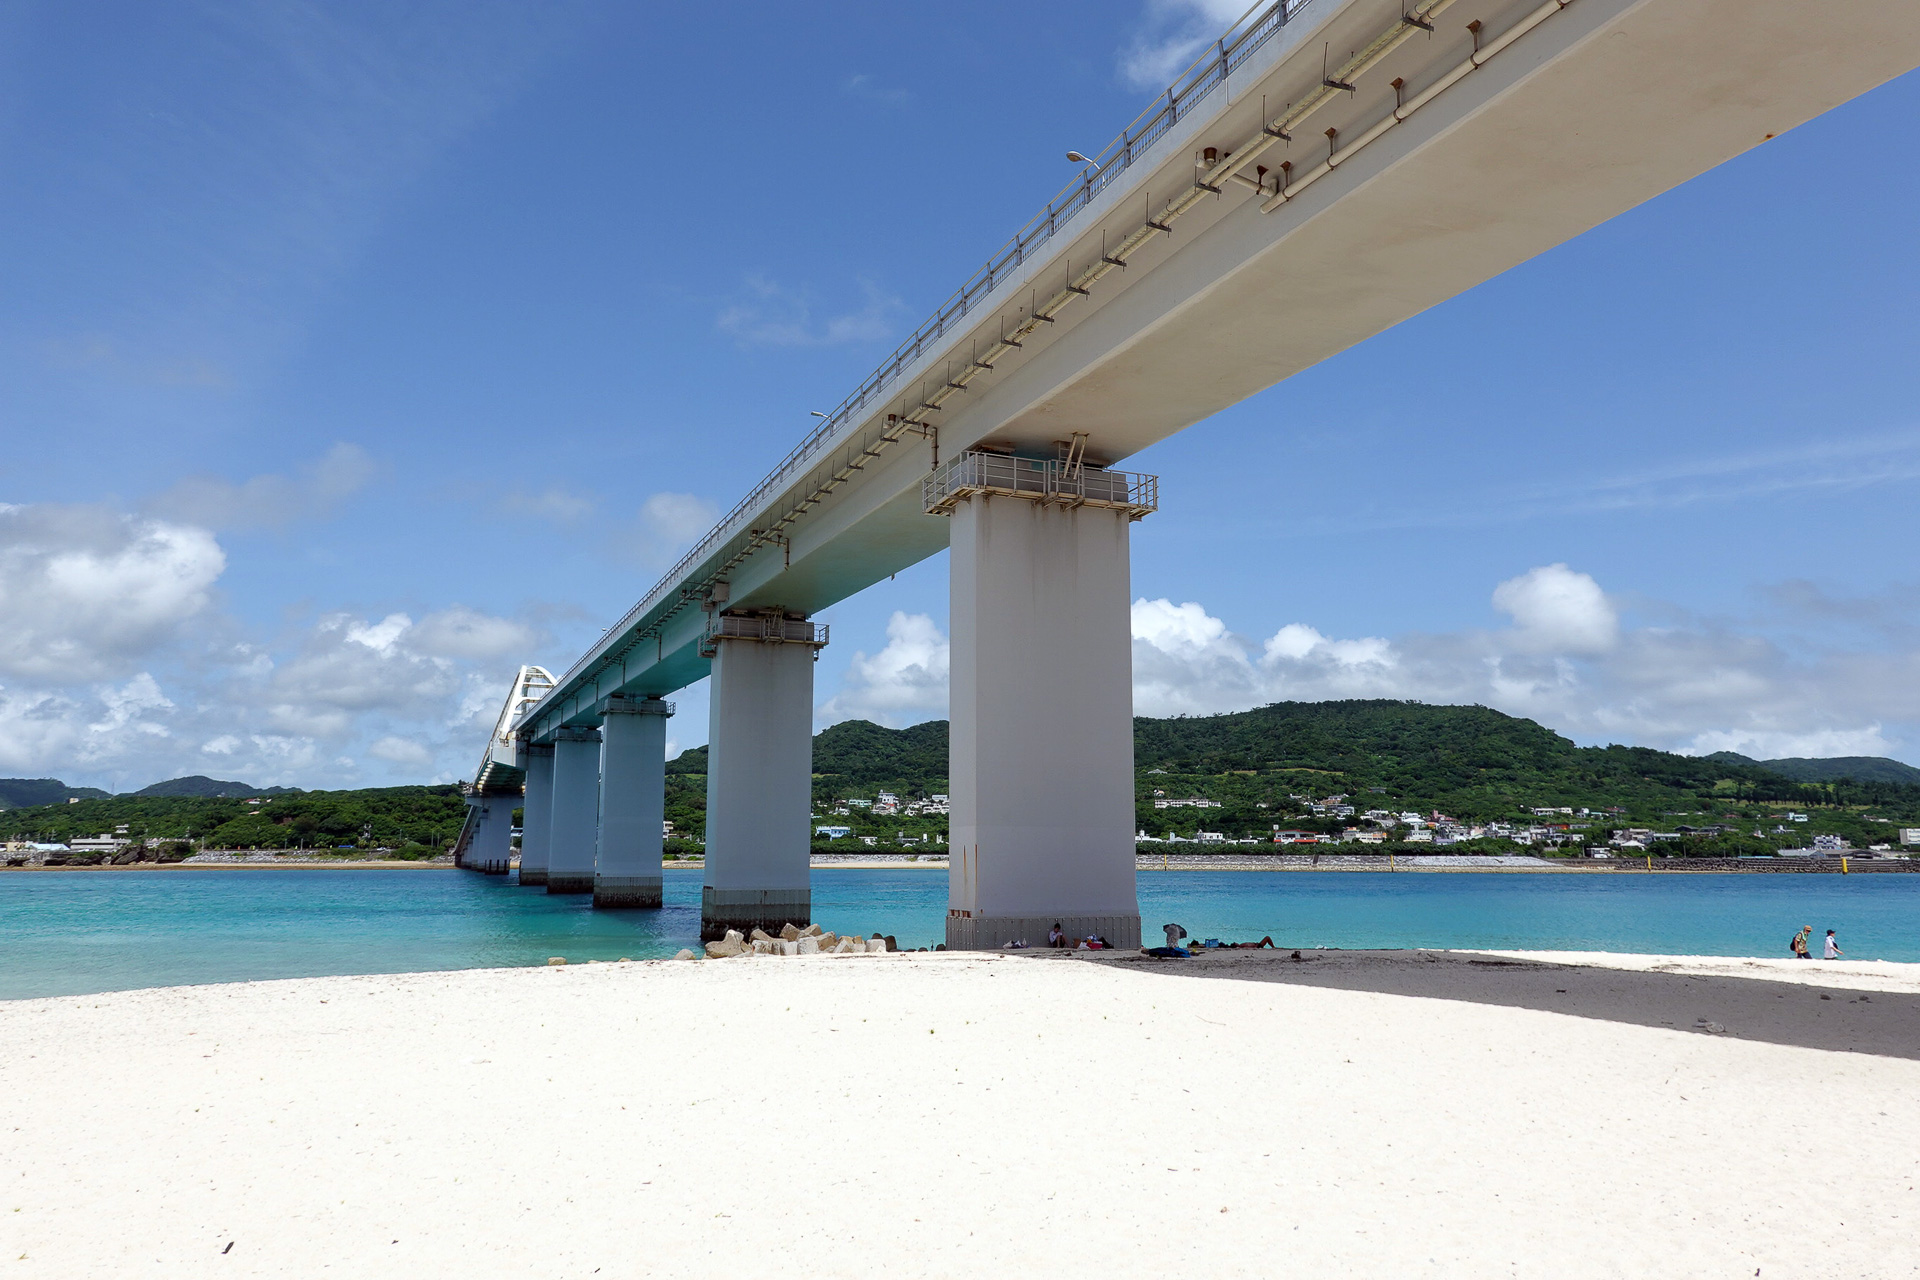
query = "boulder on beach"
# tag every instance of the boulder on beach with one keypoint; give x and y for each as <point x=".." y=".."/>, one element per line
<point x="811" y="931"/>
<point x="789" y="931"/>
<point x="685" y="953"/>
<point x="878" y="946"/>
<point x="556" y="959"/>
<point x="760" y="935"/>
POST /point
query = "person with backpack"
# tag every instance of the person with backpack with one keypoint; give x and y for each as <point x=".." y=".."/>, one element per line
<point x="1833" y="946"/>
<point x="1799" y="944"/>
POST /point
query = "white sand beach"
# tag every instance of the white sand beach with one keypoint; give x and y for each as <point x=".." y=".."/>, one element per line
<point x="1348" y="1114"/>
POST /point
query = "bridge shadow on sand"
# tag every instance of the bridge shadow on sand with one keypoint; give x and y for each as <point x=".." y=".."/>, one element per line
<point x="1809" y="1016"/>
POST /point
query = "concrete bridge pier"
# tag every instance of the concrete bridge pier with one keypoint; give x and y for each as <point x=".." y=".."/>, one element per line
<point x="1042" y="712"/>
<point x="759" y="773"/>
<point x="633" y="764"/>
<point x="492" y="848"/>
<point x="536" y="822"/>
<point x="576" y="811"/>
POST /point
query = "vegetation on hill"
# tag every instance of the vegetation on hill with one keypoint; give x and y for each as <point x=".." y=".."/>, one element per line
<point x="1832" y="769"/>
<point x="416" y="819"/>
<point x="1475" y="764"/>
<point x="209" y="789"/>
<point x="16" y="792"/>
<point x="1257" y="770"/>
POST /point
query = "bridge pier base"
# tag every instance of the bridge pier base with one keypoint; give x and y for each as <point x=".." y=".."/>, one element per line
<point x="1041" y="735"/>
<point x="633" y="773"/>
<point x="536" y="822"/>
<point x="759" y="780"/>
<point x="576" y="811"/>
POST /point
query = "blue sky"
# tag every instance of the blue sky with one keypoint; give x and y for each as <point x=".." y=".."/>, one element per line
<point x="352" y="354"/>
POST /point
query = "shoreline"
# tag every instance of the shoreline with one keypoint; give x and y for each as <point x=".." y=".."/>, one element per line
<point x="1227" y="863"/>
<point x="1456" y="1113"/>
<point x="366" y="864"/>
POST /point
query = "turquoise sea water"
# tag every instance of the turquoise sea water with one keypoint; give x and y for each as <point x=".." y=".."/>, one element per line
<point x="72" y="932"/>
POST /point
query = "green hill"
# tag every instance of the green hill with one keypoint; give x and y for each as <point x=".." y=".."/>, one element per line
<point x="420" y="818"/>
<point x="1472" y="763"/>
<point x="1257" y="769"/>
<point x="209" y="789"/>
<point x="1832" y="769"/>
<point x="17" y="793"/>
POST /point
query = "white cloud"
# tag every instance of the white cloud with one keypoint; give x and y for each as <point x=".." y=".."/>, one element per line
<point x="905" y="683"/>
<point x="866" y="86"/>
<point x="460" y="632"/>
<point x="1172" y="34"/>
<point x="118" y="671"/>
<point x="1567" y="661"/>
<point x="88" y="594"/>
<point x="379" y="636"/>
<point x="1556" y="610"/>
<point x="775" y="316"/>
<point x="553" y="504"/>
<point x="401" y="751"/>
<point x="269" y="501"/>
<point x="665" y="525"/>
<point x="1835" y="467"/>
<point x="1764" y="745"/>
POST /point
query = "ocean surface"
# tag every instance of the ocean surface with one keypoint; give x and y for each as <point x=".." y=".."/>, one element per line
<point x="75" y="932"/>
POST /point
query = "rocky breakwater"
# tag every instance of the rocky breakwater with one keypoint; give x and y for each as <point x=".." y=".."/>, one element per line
<point x="795" y="941"/>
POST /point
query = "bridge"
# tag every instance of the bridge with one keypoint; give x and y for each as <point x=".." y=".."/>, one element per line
<point x="1325" y="170"/>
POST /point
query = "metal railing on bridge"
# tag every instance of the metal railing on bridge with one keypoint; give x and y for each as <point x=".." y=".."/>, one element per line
<point x="1205" y="74"/>
<point x="770" y="628"/>
<point x="1069" y="483"/>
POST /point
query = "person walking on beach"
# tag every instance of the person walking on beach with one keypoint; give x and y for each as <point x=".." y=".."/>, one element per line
<point x="1833" y="947"/>
<point x="1799" y="943"/>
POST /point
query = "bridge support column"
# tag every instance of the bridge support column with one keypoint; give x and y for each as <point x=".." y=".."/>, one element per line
<point x="536" y="822"/>
<point x="576" y="811"/>
<point x="1041" y="723"/>
<point x="759" y="774"/>
<point x="492" y="849"/>
<point x="633" y="802"/>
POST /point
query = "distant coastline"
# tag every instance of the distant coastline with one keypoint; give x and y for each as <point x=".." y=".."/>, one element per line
<point x="1380" y="863"/>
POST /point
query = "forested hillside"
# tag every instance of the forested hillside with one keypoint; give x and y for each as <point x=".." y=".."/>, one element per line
<point x="1831" y="769"/>
<point x="417" y="820"/>
<point x="15" y="792"/>
<point x="1256" y="770"/>
<point x="1259" y="768"/>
